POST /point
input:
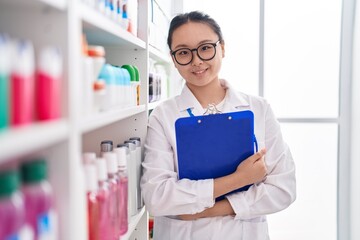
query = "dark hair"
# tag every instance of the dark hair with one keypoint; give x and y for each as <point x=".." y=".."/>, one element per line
<point x="194" y="16"/>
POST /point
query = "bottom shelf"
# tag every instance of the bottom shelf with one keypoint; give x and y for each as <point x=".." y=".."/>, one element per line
<point x="138" y="226"/>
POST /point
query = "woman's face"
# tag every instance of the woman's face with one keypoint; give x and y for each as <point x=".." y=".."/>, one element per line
<point x="197" y="73"/>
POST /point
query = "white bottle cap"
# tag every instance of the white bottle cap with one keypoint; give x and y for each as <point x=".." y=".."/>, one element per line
<point x="91" y="177"/>
<point x="137" y="141"/>
<point x="50" y="61"/>
<point x="101" y="169"/>
<point x="89" y="157"/>
<point x="131" y="144"/>
<point x="111" y="162"/>
<point x="121" y="156"/>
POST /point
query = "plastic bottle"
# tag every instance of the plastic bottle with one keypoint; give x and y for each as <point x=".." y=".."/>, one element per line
<point x="5" y="65"/>
<point x="12" y="211"/>
<point x="137" y="79"/>
<point x="114" y="185"/>
<point x="22" y="84"/>
<point x="138" y="169"/>
<point x="48" y="85"/>
<point x="92" y="201"/>
<point x="38" y="196"/>
<point x="103" y="198"/>
<point x="123" y="200"/>
<point x="133" y="194"/>
<point x="134" y="83"/>
<point x="131" y="198"/>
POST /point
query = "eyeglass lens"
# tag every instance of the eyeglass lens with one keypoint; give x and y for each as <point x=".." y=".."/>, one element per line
<point x="185" y="55"/>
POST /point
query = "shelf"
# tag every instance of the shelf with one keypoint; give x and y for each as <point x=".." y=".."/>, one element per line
<point x="158" y="55"/>
<point x="18" y="141"/>
<point x="105" y="118"/>
<point x="133" y="223"/>
<point x="100" y="29"/>
<point x="33" y="4"/>
<point x="153" y="105"/>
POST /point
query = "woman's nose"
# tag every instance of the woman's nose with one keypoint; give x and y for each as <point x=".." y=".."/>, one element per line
<point x="196" y="60"/>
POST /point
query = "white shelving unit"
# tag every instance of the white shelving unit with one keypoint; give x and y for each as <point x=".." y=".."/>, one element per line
<point x="61" y="23"/>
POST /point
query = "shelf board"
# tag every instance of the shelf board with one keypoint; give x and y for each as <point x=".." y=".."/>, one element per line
<point x="153" y="105"/>
<point x="105" y="118"/>
<point x="158" y="55"/>
<point x="100" y="29"/>
<point x="19" y="141"/>
<point x="133" y="223"/>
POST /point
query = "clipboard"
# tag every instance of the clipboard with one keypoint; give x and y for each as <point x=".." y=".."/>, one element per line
<point x="213" y="146"/>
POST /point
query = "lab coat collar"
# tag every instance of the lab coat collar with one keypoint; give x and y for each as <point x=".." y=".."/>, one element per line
<point x="234" y="100"/>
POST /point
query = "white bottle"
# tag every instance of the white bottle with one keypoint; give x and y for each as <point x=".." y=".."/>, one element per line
<point x="133" y="194"/>
<point x="138" y="169"/>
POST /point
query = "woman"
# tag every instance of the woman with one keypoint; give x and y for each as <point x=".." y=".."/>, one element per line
<point x="186" y="209"/>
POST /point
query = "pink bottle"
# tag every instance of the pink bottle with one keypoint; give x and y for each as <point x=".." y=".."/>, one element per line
<point x="48" y="84"/>
<point x="103" y="197"/>
<point x="114" y="182"/>
<point x="22" y="84"/>
<point x="12" y="213"/>
<point x="38" y="196"/>
<point x="92" y="201"/>
<point x="123" y="185"/>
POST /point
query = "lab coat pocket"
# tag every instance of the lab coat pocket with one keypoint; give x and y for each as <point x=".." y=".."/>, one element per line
<point x="168" y="228"/>
<point x="255" y="229"/>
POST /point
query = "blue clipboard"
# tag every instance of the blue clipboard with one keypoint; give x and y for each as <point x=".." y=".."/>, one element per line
<point x="213" y="146"/>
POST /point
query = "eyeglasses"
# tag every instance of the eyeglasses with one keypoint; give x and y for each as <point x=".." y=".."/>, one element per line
<point x="205" y="52"/>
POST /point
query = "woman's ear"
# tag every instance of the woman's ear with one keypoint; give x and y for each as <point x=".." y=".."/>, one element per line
<point x="223" y="49"/>
<point x="173" y="59"/>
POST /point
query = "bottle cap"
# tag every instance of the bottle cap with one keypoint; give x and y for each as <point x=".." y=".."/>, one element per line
<point x="131" y="144"/>
<point x="106" y="146"/>
<point x="34" y="171"/>
<point x="137" y="141"/>
<point x="131" y="71"/>
<point x="9" y="182"/>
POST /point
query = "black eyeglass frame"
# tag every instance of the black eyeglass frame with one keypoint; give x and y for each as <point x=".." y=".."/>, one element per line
<point x="197" y="53"/>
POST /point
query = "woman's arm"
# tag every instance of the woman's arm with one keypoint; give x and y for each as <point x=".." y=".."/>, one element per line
<point x="221" y="208"/>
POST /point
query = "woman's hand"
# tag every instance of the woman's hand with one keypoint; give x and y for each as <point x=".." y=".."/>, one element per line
<point x="249" y="171"/>
<point x="253" y="169"/>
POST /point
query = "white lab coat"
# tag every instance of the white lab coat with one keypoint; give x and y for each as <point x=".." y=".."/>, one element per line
<point x="166" y="196"/>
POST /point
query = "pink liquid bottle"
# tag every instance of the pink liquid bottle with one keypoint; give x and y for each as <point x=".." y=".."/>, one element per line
<point x="123" y="185"/>
<point x="113" y="179"/>
<point x="92" y="201"/>
<point x="103" y="197"/>
<point x="48" y="84"/>
<point x="39" y="203"/>
<point x="12" y="211"/>
<point x="22" y="84"/>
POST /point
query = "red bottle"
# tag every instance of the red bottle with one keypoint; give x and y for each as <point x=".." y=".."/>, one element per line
<point x="22" y="84"/>
<point x="48" y="84"/>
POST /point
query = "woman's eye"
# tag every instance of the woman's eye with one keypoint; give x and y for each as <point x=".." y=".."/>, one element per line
<point x="183" y="52"/>
<point x="205" y="47"/>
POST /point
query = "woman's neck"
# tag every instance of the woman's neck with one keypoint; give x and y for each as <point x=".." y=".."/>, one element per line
<point x="212" y="93"/>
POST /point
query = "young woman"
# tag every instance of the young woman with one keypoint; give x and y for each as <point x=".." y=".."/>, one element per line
<point x="186" y="209"/>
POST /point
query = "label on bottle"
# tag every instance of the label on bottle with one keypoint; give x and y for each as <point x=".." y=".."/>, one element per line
<point x="47" y="224"/>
